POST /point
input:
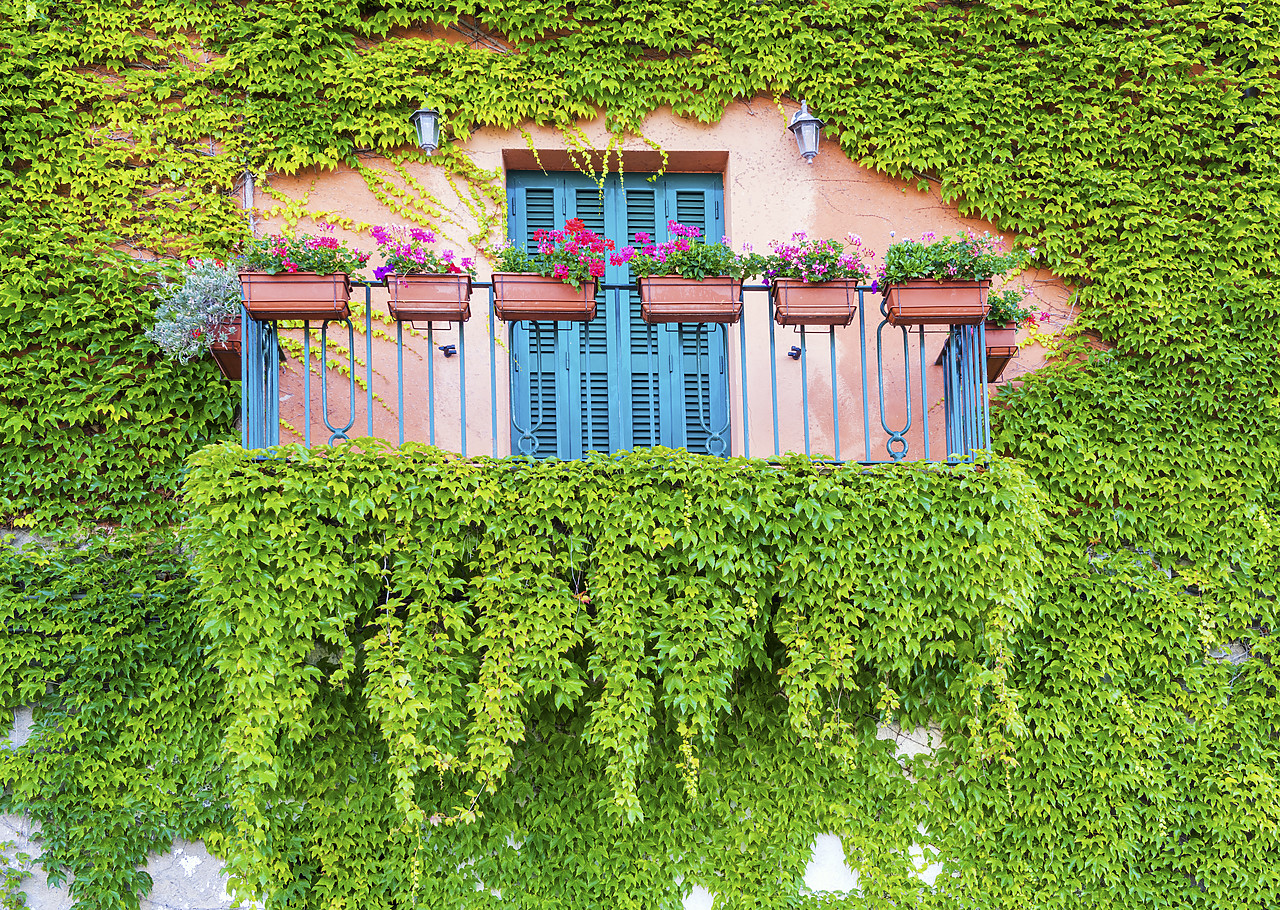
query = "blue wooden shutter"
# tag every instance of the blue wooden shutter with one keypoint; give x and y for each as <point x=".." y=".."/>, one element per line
<point x="539" y="393"/>
<point x="616" y="383"/>
<point x="700" y="379"/>
<point x="591" y="395"/>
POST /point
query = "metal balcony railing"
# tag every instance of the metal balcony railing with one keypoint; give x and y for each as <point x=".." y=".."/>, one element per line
<point x="869" y="393"/>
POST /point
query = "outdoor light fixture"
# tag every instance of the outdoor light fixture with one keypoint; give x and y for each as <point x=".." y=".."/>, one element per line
<point x="806" y="127"/>
<point x="426" y="120"/>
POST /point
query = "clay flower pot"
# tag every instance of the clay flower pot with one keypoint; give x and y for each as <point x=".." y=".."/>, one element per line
<point x="800" y="302"/>
<point x="670" y="298"/>
<point x="1002" y="347"/>
<point x="924" y="301"/>
<point x="429" y="298"/>
<point x="297" y="295"/>
<point x="226" y="353"/>
<point x="525" y="296"/>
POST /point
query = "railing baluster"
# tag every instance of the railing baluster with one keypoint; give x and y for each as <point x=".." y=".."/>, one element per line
<point x="271" y="385"/>
<point x="400" y="378"/>
<point x="866" y="407"/>
<point x="462" y="384"/>
<point x="306" y="381"/>
<point x="493" y="374"/>
<point x="984" y="393"/>
<point x="804" y="391"/>
<point x="773" y="381"/>
<point x="742" y="365"/>
<point x="368" y="350"/>
<point x="924" y="398"/>
<point x="431" y="387"/>
<point x="835" y="397"/>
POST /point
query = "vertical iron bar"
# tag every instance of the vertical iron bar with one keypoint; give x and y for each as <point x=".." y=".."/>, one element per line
<point x="924" y="397"/>
<point x="866" y="407"/>
<point x="742" y="364"/>
<point x="835" y="400"/>
<point x="984" y="390"/>
<point x="400" y="378"/>
<point x="368" y="350"/>
<point x="306" y="381"/>
<point x="493" y="377"/>
<point x="462" y="383"/>
<point x="971" y="424"/>
<point x="804" y="389"/>
<point x="248" y="331"/>
<point x="431" y="387"/>
<point x="271" y="385"/>
<point x="773" y="376"/>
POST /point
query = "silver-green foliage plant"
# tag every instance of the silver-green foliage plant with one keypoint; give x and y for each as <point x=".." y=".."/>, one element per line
<point x="195" y="313"/>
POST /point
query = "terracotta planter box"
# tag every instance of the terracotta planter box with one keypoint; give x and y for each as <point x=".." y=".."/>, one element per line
<point x="522" y="296"/>
<point x="799" y="302"/>
<point x="928" y="302"/>
<point x="226" y="354"/>
<point x="670" y="298"/>
<point x="1002" y="347"/>
<point x="300" y="295"/>
<point x="429" y="298"/>
<point x="1002" y="335"/>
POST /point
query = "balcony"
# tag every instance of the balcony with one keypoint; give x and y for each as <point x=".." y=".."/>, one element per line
<point x="869" y="393"/>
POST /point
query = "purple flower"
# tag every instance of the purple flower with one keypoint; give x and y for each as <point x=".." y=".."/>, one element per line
<point x="382" y="272"/>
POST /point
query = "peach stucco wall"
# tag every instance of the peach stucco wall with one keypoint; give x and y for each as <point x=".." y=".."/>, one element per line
<point x="769" y="193"/>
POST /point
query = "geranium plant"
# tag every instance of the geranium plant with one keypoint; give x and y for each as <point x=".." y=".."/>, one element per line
<point x="969" y="256"/>
<point x="1006" y="306"/>
<point x="408" y="252"/>
<point x="818" y="260"/>
<point x="194" y="314"/>
<point x="575" y="255"/>
<point x="326" y="255"/>
<point x="688" y="256"/>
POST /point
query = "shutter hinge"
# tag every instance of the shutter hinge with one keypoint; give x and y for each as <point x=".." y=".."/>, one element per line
<point x="717" y="210"/>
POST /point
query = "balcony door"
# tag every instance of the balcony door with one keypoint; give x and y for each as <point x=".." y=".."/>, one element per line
<point x="615" y="383"/>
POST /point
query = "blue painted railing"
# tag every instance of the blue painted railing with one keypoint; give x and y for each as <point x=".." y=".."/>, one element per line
<point x="965" y="402"/>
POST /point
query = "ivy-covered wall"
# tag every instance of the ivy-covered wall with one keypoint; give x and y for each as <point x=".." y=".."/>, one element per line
<point x="1131" y="143"/>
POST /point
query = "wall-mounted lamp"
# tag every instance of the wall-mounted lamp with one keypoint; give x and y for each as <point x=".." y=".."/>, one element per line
<point x="426" y="121"/>
<point x="806" y="128"/>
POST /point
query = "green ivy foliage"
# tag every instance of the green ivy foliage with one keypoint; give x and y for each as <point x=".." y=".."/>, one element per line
<point x="102" y="637"/>
<point x="1132" y="143"/>
<point x="508" y="645"/>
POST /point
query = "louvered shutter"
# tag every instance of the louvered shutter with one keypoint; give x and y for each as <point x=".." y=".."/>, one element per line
<point x="590" y="369"/>
<point x="616" y="383"/>
<point x="539" y="388"/>
<point x="700" y="378"/>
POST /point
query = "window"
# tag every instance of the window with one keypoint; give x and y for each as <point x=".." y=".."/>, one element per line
<point x="616" y="383"/>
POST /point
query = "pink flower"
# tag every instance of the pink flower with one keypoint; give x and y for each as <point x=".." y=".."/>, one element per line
<point x="560" y="271"/>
